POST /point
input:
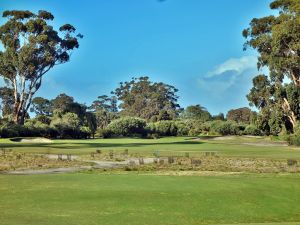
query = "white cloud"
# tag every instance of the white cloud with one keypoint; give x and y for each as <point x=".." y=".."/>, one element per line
<point x="232" y="76"/>
<point x="238" y="65"/>
<point x="226" y="85"/>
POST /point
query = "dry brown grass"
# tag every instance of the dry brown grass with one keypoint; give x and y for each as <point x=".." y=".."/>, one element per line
<point x="12" y="161"/>
<point x="223" y="164"/>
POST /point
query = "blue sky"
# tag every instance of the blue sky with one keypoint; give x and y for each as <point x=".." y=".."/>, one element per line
<point x="195" y="45"/>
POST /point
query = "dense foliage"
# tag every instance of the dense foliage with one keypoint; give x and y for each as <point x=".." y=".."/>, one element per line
<point x="127" y="126"/>
<point x="148" y="100"/>
<point x="277" y="40"/>
<point x="241" y="115"/>
<point x="31" y="47"/>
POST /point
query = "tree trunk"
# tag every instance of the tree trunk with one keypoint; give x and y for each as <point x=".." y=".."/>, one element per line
<point x="296" y="79"/>
<point x="19" y="113"/>
<point x="289" y="112"/>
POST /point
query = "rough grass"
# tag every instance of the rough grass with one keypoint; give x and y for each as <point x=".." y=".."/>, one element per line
<point x="12" y="160"/>
<point x="111" y="199"/>
<point x="233" y="147"/>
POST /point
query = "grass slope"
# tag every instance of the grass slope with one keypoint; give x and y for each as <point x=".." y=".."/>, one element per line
<point x="112" y="199"/>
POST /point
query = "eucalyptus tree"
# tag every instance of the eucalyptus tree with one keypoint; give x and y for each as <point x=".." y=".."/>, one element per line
<point x="105" y="103"/>
<point x="41" y="106"/>
<point x="7" y="101"/>
<point x="277" y="40"/>
<point x="62" y="102"/>
<point x="31" y="47"/>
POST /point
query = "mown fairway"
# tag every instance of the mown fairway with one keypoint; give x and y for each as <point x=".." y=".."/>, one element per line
<point x="129" y="198"/>
<point x="233" y="146"/>
<point x="93" y="199"/>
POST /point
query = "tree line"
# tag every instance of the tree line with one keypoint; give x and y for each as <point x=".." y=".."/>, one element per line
<point x="138" y="107"/>
<point x="32" y="47"/>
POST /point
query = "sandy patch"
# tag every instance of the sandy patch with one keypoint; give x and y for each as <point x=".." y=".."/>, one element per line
<point x="31" y="140"/>
<point x="194" y="173"/>
<point x="224" y="138"/>
<point x="267" y="144"/>
<point x="47" y="171"/>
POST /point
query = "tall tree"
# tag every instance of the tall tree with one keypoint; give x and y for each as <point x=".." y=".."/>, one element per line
<point x="277" y="40"/>
<point x="106" y="103"/>
<point x="196" y="112"/>
<point x="7" y="100"/>
<point x="62" y="102"/>
<point x="32" y="47"/>
<point x="240" y="115"/>
<point x="41" y="106"/>
<point x="105" y="110"/>
<point x="65" y="103"/>
<point x="145" y="99"/>
<point x="91" y="122"/>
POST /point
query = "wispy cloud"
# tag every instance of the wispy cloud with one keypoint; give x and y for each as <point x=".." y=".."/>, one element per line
<point x="228" y="83"/>
<point x="237" y="65"/>
<point x="228" y="73"/>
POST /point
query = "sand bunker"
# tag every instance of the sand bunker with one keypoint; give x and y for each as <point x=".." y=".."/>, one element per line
<point x="31" y="140"/>
<point x="223" y="138"/>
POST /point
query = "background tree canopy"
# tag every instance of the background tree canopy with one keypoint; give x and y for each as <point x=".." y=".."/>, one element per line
<point x="148" y="100"/>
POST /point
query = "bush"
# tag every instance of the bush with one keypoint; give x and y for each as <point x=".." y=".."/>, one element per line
<point x="9" y="130"/>
<point x="67" y="125"/>
<point x="182" y="128"/>
<point x="294" y="139"/>
<point x="36" y="128"/>
<point x="225" y="127"/>
<point x="43" y="119"/>
<point x="166" y="128"/>
<point x="128" y="126"/>
<point x="104" y="133"/>
<point x="195" y="127"/>
<point x="252" y="130"/>
<point x="85" y="132"/>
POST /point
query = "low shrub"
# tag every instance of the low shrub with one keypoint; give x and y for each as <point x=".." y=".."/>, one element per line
<point x="10" y="130"/>
<point x="166" y="128"/>
<point x="225" y="127"/>
<point x="294" y="139"/>
<point x="128" y="127"/>
<point x="252" y="130"/>
<point x="182" y="128"/>
<point x="104" y="133"/>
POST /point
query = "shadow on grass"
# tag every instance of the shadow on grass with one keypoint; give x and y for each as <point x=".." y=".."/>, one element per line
<point x="76" y="145"/>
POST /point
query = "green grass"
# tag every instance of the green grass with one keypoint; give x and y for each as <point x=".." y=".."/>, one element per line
<point x="112" y="199"/>
<point x="172" y="145"/>
<point x="134" y="199"/>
